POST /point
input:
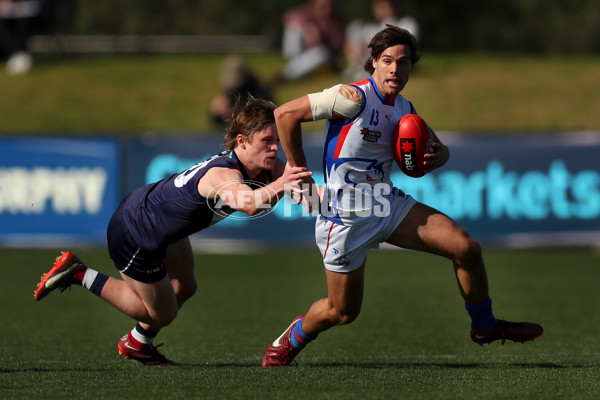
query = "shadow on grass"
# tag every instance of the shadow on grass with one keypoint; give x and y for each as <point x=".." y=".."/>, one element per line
<point x="55" y="369"/>
<point x="442" y="365"/>
<point x="399" y="365"/>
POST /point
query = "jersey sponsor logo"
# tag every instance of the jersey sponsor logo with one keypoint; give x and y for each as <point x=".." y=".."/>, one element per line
<point x="356" y="186"/>
<point x="355" y="170"/>
<point x="369" y="135"/>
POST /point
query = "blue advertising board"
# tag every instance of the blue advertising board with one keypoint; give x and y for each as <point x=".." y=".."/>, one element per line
<point x="519" y="190"/>
<point x="56" y="191"/>
<point x="515" y="190"/>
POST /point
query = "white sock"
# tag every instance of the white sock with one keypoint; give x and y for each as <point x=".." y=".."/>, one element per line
<point x="88" y="278"/>
<point x="141" y="338"/>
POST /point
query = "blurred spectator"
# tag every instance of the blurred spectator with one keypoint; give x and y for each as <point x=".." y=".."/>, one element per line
<point x="15" y="28"/>
<point x="313" y="36"/>
<point x="237" y="83"/>
<point x="359" y="33"/>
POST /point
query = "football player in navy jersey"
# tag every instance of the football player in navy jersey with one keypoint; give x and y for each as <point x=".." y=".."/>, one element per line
<point x="364" y="209"/>
<point x="148" y="233"/>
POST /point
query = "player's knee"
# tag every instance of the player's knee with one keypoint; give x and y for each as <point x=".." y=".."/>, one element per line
<point x="468" y="251"/>
<point x="165" y="319"/>
<point x="347" y="318"/>
<point x="184" y="289"/>
<point x="164" y="316"/>
<point x="344" y="317"/>
<point x="191" y="289"/>
<point x="187" y="291"/>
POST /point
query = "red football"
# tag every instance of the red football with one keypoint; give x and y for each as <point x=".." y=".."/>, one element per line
<point x="412" y="140"/>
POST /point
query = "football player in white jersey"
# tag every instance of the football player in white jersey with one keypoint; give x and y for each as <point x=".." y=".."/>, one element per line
<point x="360" y="206"/>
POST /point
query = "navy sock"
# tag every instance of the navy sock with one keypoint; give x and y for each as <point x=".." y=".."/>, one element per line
<point x="143" y="335"/>
<point x="98" y="283"/>
<point x="299" y="338"/>
<point x="481" y="315"/>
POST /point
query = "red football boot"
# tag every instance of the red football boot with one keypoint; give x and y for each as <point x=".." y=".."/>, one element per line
<point x="281" y="352"/>
<point x="147" y="354"/>
<point x="61" y="276"/>
<point x="506" y="330"/>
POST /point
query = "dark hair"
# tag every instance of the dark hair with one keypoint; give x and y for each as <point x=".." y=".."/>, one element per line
<point x="248" y="120"/>
<point x="391" y="36"/>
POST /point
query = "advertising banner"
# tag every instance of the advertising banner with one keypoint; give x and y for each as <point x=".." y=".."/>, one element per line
<point x="56" y="191"/>
<point x="512" y="190"/>
<point x="519" y="190"/>
<point x="515" y="190"/>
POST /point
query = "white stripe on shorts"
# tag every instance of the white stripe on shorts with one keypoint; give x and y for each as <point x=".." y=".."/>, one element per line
<point x="131" y="261"/>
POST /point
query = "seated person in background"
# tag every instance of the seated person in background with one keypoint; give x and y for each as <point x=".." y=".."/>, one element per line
<point x="359" y="33"/>
<point x="313" y="36"/>
<point x="17" y="20"/>
<point x="237" y="82"/>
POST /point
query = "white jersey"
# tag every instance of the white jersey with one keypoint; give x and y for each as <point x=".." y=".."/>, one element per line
<point x="358" y="156"/>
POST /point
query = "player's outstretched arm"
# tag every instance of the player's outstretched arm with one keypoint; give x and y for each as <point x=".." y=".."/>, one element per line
<point x="228" y="186"/>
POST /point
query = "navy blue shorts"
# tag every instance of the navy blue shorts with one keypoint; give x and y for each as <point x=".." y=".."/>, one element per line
<point x="142" y="265"/>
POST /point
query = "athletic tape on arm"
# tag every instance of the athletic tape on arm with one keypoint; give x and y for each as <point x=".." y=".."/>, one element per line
<point x="342" y="99"/>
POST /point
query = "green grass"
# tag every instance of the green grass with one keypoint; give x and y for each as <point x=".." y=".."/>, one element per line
<point x="411" y="340"/>
<point x="170" y="94"/>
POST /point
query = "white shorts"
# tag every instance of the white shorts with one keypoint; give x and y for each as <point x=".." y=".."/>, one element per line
<point x="344" y="247"/>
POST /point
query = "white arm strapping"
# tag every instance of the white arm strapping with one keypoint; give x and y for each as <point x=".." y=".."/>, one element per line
<point x="335" y="99"/>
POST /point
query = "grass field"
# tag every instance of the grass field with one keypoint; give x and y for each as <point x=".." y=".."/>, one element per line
<point x="410" y="342"/>
<point x="169" y="95"/>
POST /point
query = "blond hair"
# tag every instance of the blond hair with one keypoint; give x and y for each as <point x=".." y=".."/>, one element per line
<point x="248" y="120"/>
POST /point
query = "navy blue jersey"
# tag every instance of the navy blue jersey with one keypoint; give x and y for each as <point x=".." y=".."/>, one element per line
<point x="164" y="212"/>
